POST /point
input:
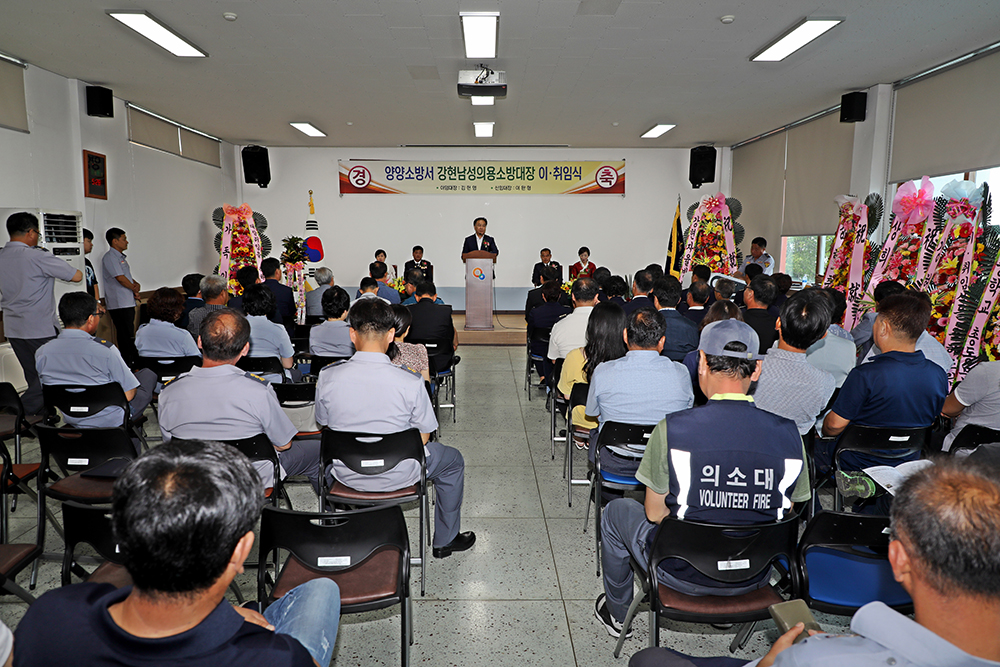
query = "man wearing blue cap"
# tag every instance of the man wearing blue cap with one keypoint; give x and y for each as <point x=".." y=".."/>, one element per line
<point x="711" y="472"/>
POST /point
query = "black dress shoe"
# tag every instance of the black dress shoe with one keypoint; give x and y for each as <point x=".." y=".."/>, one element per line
<point x="461" y="542"/>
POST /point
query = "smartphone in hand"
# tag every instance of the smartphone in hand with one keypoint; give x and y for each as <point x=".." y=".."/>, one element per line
<point x="787" y="614"/>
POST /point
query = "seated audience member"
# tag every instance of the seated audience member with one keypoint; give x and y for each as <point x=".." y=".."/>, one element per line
<point x="784" y="283"/>
<point x="183" y="517"/>
<point x="681" y="335"/>
<point x="720" y="310"/>
<point x="534" y="296"/>
<point x="159" y="337"/>
<point x="926" y="343"/>
<point x="975" y="401"/>
<point x="344" y="402"/>
<point x="700" y="273"/>
<point x="728" y="438"/>
<point x="213" y="290"/>
<point x="758" y="296"/>
<point x="638" y="388"/>
<point x="758" y="257"/>
<point x="616" y="290"/>
<point x="544" y="317"/>
<point x="945" y="533"/>
<point x="570" y="332"/>
<point x="76" y="357"/>
<point x="642" y="285"/>
<point x="418" y="262"/>
<point x="546" y="261"/>
<point x="390" y="273"/>
<point x="431" y="320"/>
<point x="314" y="299"/>
<point x="332" y="338"/>
<point x="752" y="272"/>
<point x="414" y="277"/>
<point x="368" y="290"/>
<point x="656" y="271"/>
<point x="286" y="311"/>
<point x="218" y="401"/>
<point x="584" y="268"/>
<point x="789" y="386"/>
<point x="900" y="388"/>
<point x="697" y="300"/>
<point x="602" y="275"/>
<point x="191" y="284"/>
<point x="862" y="331"/>
<point x="377" y="270"/>
<point x="246" y="276"/>
<point x="604" y="343"/>
<point x="411" y="356"/>
<point x="724" y="289"/>
<point x="268" y="339"/>
<point x="835" y="353"/>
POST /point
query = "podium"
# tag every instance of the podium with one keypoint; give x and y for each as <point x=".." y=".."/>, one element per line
<point x="479" y="290"/>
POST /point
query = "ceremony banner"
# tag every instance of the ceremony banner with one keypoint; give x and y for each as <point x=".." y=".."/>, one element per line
<point x="489" y="177"/>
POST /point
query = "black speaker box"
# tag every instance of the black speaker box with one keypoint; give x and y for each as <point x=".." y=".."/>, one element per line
<point x="256" y="168"/>
<point x="702" y="169"/>
<point x="100" y="102"/>
<point x="853" y="107"/>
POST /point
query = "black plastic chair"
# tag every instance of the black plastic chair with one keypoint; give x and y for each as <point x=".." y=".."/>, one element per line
<point x="442" y="360"/>
<point x="367" y="552"/>
<point x="297" y="396"/>
<point x="167" y="368"/>
<point x="556" y="405"/>
<point x="88" y="400"/>
<point x="262" y="366"/>
<point x="14" y="558"/>
<point x="843" y="564"/>
<point x="626" y="441"/>
<point x="731" y="555"/>
<point x="70" y="452"/>
<point x="973" y="435"/>
<point x="259" y="448"/>
<point x="372" y="455"/>
<point x="316" y="364"/>
<point x="891" y="444"/>
<point x="538" y="335"/>
<point x="577" y="397"/>
<point x="14" y="423"/>
<point x="91" y="525"/>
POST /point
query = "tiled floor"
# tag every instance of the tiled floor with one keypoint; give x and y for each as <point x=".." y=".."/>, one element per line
<point x="525" y="592"/>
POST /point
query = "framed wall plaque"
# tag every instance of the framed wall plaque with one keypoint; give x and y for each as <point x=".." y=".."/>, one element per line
<point x="95" y="175"/>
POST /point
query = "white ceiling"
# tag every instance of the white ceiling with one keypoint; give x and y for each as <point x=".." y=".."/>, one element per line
<point x="383" y="72"/>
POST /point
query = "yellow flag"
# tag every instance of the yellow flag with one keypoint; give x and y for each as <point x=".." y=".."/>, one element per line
<point x="674" y="249"/>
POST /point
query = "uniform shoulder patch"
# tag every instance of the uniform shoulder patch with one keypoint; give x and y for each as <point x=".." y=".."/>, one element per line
<point x="410" y="370"/>
<point x="174" y="379"/>
<point x="254" y="376"/>
<point x="336" y="363"/>
<point x="105" y="343"/>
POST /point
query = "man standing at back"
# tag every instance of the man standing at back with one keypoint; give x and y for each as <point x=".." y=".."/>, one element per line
<point x="368" y="394"/>
<point x="121" y="292"/>
<point x="270" y="268"/>
<point x="27" y="276"/>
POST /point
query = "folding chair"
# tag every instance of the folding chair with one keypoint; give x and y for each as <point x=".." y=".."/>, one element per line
<point x="372" y="455"/>
<point x="262" y="366"/>
<point x="973" y="435"/>
<point x="731" y="555"/>
<point x="367" y="552"/>
<point x="89" y="400"/>
<point x="577" y="397"/>
<point x="259" y="448"/>
<point x="316" y="363"/>
<point x="298" y="399"/>
<point x="14" y="558"/>
<point x="539" y="335"/>
<point x="556" y="404"/>
<point x="91" y="524"/>
<point x="892" y="444"/>
<point x="843" y="564"/>
<point x="74" y="451"/>
<point x="627" y="441"/>
<point x="167" y="368"/>
<point x="442" y="360"/>
<point x="13" y="422"/>
<point x="13" y="478"/>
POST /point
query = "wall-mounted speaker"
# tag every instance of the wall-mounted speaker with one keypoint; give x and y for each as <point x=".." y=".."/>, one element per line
<point x="702" y="167"/>
<point x="100" y="102"/>
<point x="853" y="107"/>
<point x="256" y="167"/>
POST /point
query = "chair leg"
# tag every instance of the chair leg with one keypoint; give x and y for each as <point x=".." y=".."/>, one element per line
<point x="654" y="626"/>
<point x="236" y="591"/>
<point x="742" y="636"/>
<point x="11" y="587"/>
<point x="597" y="517"/>
<point x="423" y="547"/>
<point x="404" y="632"/>
<point x="633" y="609"/>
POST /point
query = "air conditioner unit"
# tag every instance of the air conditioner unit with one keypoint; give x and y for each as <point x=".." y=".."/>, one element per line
<point x="61" y="233"/>
<point x="478" y="82"/>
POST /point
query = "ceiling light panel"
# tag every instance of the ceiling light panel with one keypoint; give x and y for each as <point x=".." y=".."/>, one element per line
<point x="795" y="39"/>
<point x="657" y="131"/>
<point x="480" y="32"/>
<point x="484" y="129"/>
<point x="158" y="33"/>
<point x="481" y="101"/>
<point x="308" y="129"/>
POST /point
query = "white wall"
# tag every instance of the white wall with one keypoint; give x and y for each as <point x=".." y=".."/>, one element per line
<point x="623" y="233"/>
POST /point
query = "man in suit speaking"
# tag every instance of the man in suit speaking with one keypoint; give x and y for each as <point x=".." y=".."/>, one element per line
<point x="479" y="240"/>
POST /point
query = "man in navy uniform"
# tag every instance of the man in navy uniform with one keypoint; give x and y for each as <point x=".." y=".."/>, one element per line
<point x="536" y="274"/>
<point x="418" y="262"/>
<point x="270" y="268"/>
<point x="700" y="466"/>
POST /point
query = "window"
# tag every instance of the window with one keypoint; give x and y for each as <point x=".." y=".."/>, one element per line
<point x="804" y="258"/>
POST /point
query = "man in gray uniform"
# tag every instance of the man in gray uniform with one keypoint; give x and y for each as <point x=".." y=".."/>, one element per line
<point x="218" y="401"/>
<point x="76" y="357"/>
<point x="27" y="275"/>
<point x="368" y="394"/>
<point x="314" y="299"/>
<point x="120" y="291"/>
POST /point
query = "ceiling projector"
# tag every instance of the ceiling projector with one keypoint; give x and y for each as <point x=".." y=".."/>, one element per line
<point x="482" y="82"/>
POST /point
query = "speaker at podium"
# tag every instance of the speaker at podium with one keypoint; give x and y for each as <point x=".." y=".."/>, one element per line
<point x="479" y="290"/>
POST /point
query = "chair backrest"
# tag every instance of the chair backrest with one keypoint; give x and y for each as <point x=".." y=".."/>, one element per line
<point x="256" y="447"/>
<point x="440" y="353"/>
<point x="730" y="554"/>
<point x="625" y="439"/>
<point x="578" y="394"/>
<point x="10" y="404"/>
<point x="328" y="544"/>
<point x="843" y="563"/>
<point x="973" y="435"/>
<point x="313" y="320"/>
<point x="167" y="368"/>
<point x="90" y="524"/>
<point x="262" y="366"/>
<point x="900" y="441"/>
<point x="295" y="392"/>
<point x="540" y="335"/>
<point x="369" y="453"/>
<point x="553" y="378"/>
<point x="86" y="400"/>
<point x="74" y="450"/>
<point x="317" y="363"/>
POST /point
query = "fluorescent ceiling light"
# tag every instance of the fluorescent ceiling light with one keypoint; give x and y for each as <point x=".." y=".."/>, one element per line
<point x="484" y="129"/>
<point x="147" y="26"/>
<point x="795" y="39"/>
<point x="482" y="101"/>
<point x="308" y="129"/>
<point x="658" y="131"/>
<point x="480" y="32"/>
